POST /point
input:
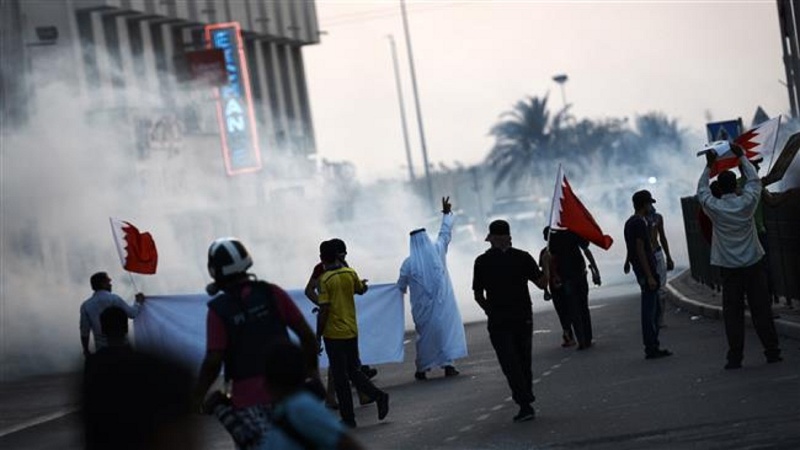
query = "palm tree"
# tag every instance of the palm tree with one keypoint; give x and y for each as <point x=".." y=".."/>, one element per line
<point x="524" y="136"/>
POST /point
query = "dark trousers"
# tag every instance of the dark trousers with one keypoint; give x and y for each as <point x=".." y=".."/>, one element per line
<point x="562" y="309"/>
<point x="345" y="366"/>
<point x="650" y="309"/>
<point x="512" y="342"/>
<point x="752" y="281"/>
<point x="576" y="295"/>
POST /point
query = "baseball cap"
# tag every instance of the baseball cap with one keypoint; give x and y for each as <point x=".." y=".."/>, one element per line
<point x="641" y="198"/>
<point x="499" y="228"/>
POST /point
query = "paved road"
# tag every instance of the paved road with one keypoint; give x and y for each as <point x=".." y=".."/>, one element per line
<point x="602" y="398"/>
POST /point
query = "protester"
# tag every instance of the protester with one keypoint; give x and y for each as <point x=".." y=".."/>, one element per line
<point x="437" y="320"/>
<point x="568" y="250"/>
<point x="500" y="284"/>
<point x="337" y="323"/>
<point x="132" y="400"/>
<point x="301" y="421"/>
<point x="242" y="322"/>
<point x="641" y="256"/>
<point x="736" y="250"/>
<point x="664" y="263"/>
<point x="93" y="307"/>
<point x="553" y="292"/>
<point x="312" y="293"/>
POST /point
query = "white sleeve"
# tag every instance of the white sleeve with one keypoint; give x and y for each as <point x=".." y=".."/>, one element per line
<point x="445" y="231"/>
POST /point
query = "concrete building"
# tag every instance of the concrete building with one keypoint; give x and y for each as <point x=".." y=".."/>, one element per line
<point x="120" y="55"/>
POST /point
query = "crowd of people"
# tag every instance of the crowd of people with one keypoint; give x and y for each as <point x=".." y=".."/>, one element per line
<point x="276" y="397"/>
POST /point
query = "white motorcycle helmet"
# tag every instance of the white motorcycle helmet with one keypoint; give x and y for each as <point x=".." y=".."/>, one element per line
<point x="226" y="257"/>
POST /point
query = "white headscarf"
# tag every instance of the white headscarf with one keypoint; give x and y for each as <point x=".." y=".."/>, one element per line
<point x="427" y="267"/>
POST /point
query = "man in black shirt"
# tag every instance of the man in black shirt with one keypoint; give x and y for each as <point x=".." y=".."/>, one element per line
<point x="566" y="247"/>
<point x="500" y="282"/>
<point x="640" y="254"/>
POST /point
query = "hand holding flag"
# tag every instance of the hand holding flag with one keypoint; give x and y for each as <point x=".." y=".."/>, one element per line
<point x="568" y="213"/>
<point x="137" y="251"/>
<point x="757" y="143"/>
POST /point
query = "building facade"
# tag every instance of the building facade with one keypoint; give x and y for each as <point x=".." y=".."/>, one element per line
<point x="128" y="59"/>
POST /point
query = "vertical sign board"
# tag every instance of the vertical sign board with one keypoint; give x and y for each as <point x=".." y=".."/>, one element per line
<point x="234" y="102"/>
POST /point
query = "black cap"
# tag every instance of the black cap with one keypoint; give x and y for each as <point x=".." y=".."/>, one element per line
<point x="642" y="198"/>
<point x="499" y="228"/>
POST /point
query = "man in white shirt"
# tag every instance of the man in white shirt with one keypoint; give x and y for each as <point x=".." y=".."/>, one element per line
<point x="736" y="250"/>
<point x="96" y="304"/>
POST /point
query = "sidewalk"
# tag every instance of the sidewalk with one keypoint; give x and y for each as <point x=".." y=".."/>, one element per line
<point x="700" y="299"/>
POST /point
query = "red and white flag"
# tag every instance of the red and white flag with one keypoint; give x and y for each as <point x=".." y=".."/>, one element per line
<point x="757" y="142"/>
<point x="137" y="251"/>
<point x="568" y="213"/>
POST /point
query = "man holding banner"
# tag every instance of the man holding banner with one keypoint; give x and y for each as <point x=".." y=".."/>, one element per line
<point x="93" y="307"/>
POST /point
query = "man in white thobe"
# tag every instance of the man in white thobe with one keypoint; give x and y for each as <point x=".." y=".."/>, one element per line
<point x="437" y="320"/>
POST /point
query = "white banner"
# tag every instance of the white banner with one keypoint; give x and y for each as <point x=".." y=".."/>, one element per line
<point x="175" y="325"/>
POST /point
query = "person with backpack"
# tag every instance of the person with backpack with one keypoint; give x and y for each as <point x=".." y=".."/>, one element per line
<point x="244" y="318"/>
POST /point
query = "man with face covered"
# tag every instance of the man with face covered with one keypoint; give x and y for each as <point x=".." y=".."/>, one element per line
<point x="437" y="320"/>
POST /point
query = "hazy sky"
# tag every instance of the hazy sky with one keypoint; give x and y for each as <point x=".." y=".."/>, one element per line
<point x="692" y="60"/>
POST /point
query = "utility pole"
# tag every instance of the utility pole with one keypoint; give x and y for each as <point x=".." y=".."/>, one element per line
<point x="789" y="19"/>
<point x="411" y="174"/>
<point x="416" y="102"/>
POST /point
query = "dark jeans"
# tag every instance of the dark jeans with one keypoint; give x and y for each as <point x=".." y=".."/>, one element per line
<point x="650" y="308"/>
<point x="345" y="366"/>
<point x="576" y="295"/>
<point x="512" y="342"/>
<point x="751" y="280"/>
<point x="562" y="309"/>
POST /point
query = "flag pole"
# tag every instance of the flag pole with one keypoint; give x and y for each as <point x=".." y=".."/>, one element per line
<point x="774" y="143"/>
<point x="552" y="204"/>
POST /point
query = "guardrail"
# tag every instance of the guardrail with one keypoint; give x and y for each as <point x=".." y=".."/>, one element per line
<point x="783" y="246"/>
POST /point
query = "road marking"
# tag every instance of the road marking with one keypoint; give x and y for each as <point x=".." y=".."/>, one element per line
<point x="497" y="407"/>
<point x="537" y="381"/>
<point x="466" y="428"/>
<point x="407" y="341"/>
<point x="38" y="421"/>
<point x="597" y="306"/>
<point x="563" y="360"/>
<point x="450" y="438"/>
<point x="556" y="366"/>
<point x="547" y="373"/>
<point x="483" y="417"/>
<point x="541" y="331"/>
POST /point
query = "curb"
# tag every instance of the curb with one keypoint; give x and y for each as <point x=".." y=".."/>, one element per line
<point x="783" y="327"/>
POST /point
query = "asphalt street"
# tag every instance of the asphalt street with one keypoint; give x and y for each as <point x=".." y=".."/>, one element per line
<point x="605" y="397"/>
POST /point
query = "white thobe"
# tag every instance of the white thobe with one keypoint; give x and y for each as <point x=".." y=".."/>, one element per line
<point x="437" y="320"/>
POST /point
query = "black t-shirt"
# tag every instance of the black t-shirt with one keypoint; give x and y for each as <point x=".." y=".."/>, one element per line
<point x="504" y="276"/>
<point x="636" y="228"/>
<point x="566" y="247"/>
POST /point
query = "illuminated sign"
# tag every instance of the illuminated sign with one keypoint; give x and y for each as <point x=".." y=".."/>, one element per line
<point x="234" y="102"/>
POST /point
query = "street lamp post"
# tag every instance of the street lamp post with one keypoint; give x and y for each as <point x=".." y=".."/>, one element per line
<point x="402" y="108"/>
<point x="561" y="79"/>
<point x="416" y="102"/>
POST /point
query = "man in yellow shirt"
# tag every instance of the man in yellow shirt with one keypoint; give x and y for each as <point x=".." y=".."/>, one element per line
<point x="337" y="324"/>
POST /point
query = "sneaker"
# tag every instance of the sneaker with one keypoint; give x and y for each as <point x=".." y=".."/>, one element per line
<point x="450" y="371"/>
<point x="383" y="405"/>
<point x="661" y="353"/>
<point x="420" y="376"/>
<point x="584" y="346"/>
<point x="370" y="372"/>
<point x="567" y="339"/>
<point x="732" y="365"/>
<point x="526" y="413"/>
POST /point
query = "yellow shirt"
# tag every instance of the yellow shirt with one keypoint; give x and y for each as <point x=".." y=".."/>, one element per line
<point x="337" y="289"/>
